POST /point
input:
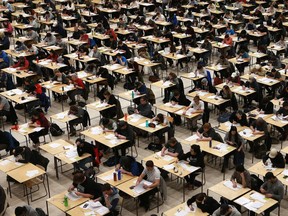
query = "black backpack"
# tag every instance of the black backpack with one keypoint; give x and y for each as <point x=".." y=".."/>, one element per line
<point x="55" y="130"/>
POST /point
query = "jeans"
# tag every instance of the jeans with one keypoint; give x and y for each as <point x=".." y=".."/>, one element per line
<point x="82" y="163"/>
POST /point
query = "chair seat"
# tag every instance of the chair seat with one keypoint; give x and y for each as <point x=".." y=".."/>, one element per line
<point x="33" y="182"/>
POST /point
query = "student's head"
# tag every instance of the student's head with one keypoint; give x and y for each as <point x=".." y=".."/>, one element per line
<point x="106" y="94"/>
<point x="233" y="130"/>
<point x="20" y="211"/>
<point x="199" y="67"/>
<point x="225" y="209"/>
<point x="226" y="36"/>
<point x="206" y="127"/>
<point x="172" y="75"/>
<point x="18" y="150"/>
<point x="48" y="35"/>
<point x="73" y="109"/>
<point x="35" y="114"/>
<point x="240" y="168"/>
<point x="149" y="165"/>
<point x="195" y="149"/>
<point x="78" y="177"/>
<point x="160" y="117"/>
<point x="176" y="94"/>
<point x="143" y="100"/>
<point x="260" y="121"/>
<point x="122" y="125"/>
<point x="106" y="189"/>
<point x="204" y="82"/>
<point x="239" y="114"/>
<point x="74" y="77"/>
<point x="138" y="84"/>
<point x="226" y="89"/>
<point x="105" y="121"/>
<point x="196" y="99"/>
<point x="172" y="141"/>
<point x="270" y="177"/>
<point x="57" y="73"/>
<point x="273" y="153"/>
<point x="79" y="142"/>
<point x="118" y="56"/>
<point x="95" y="48"/>
<point x="285" y="105"/>
<point x="200" y="197"/>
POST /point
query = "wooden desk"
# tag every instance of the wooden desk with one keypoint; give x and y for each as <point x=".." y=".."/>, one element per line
<point x="47" y="63"/>
<point x="268" y="202"/>
<point x="201" y="94"/>
<point x="215" y="100"/>
<point x="168" y="107"/>
<point x="155" y="39"/>
<point x="25" y="130"/>
<point x="227" y="125"/>
<point x="22" y="174"/>
<point x="108" y="178"/>
<point x="260" y="169"/>
<point x="84" y="58"/>
<point x="22" y="74"/>
<point x="162" y="85"/>
<point x="227" y="192"/>
<point x="160" y="161"/>
<point x="128" y="96"/>
<point x="8" y="164"/>
<point x="56" y="147"/>
<point x="184" y="208"/>
<point x="97" y="105"/>
<point x="57" y="201"/>
<point x="145" y="62"/>
<point x="79" y="211"/>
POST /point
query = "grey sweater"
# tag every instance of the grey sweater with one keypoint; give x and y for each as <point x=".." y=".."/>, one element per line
<point x="234" y="212"/>
<point x="276" y="189"/>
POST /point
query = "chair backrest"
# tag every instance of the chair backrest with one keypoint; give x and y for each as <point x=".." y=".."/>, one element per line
<point x="86" y="119"/>
<point x="119" y="111"/>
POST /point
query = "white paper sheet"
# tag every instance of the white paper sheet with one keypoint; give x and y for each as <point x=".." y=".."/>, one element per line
<point x="285" y="172"/>
<point x="258" y="196"/>
<point x="5" y="162"/>
<point x="32" y="173"/>
<point x="229" y="184"/>
<point x="242" y="200"/>
<point x="54" y="145"/>
<point x="192" y="138"/>
<point x="169" y="167"/>
<point x="72" y="196"/>
<point x="96" y="130"/>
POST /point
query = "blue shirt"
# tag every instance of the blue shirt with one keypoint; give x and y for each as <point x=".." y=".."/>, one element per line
<point x="4" y="56"/>
<point x="245" y="55"/>
<point x="123" y="60"/>
<point x="230" y="32"/>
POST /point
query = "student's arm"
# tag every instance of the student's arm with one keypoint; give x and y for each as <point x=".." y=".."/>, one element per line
<point x="90" y="196"/>
<point x="140" y="178"/>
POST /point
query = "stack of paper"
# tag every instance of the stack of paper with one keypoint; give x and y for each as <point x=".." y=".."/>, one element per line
<point x="192" y="138"/>
<point x="71" y="153"/>
<point x="72" y="196"/>
<point x="61" y="115"/>
<point x="101" y="105"/>
<point x="37" y="129"/>
<point x="110" y="137"/>
<point x="229" y="184"/>
<point x="246" y="133"/>
<point x="258" y="196"/>
<point x="4" y="162"/>
<point x="222" y="147"/>
<point x="165" y="157"/>
<point x="169" y="167"/>
<point x="96" y="130"/>
<point x="32" y="173"/>
<point x="189" y="168"/>
<point x="253" y="206"/>
<point x="54" y="145"/>
<point x="135" y="117"/>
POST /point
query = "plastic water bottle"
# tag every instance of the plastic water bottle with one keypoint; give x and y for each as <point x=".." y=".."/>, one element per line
<point x="119" y="174"/>
<point x="65" y="201"/>
<point x="210" y="143"/>
<point x="132" y="94"/>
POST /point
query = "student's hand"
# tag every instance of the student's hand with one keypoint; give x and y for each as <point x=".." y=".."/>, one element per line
<point x="269" y="195"/>
<point x="262" y="190"/>
<point x="234" y="184"/>
<point x="71" y="188"/>
<point x="145" y="186"/>
<point x="78" y="193"/>
<point x="136" y="111"/>
<point x="162" y="154"/>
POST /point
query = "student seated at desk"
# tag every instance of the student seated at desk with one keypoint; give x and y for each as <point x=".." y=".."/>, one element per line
<point x="50" y="39"/>
<point x="61" y="78"/>
<point x="85" y="187"/>
<point x="194" y="158"/>
<point x="80" y="89"/>
<point x="275" y="157"/>
<point x="108" y="125"/>
<point x="267" y="106"/>
<point x="241" y="176"/>
<point x="206" y="86"/>
<point x="283" y="111"/>
<point x="205" y="203"/>
<point x="23" y="154"/>
<point x="205" y="133"/>
<point x="198" y="107"/>
<point x="272" y="188"/>
<point x="238" y="117"/>
<point x="226" y="209"/>
<point x="111" y="199"/>
<point x="160" y="119"/>
<point x="172" y="148"/>
<point x="124" y="131"/>
<point x="257" y="95"/>
<point x="128" y="165"/>
<point x="233" y="138"/>
<point x="84" y="147"/>
<point x="111" y="100"/>
<point x="38" y="120"/>
<point x="259" y="126"/>
<point x="140" y="89"/>
<point x="144" y="108"/>
<point x="8" y="142"/>
<point x="79" y="113"/>
<point x="153" y="176"/>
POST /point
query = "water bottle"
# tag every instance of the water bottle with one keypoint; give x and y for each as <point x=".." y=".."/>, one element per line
<point x="125" y="116"/>
<point x="210" y="143"/>
<point x="119" y="174"/>
<point x="115" y="176"/>
<point x="147" y="123"/>
<point x="132" y="94"/>
<point x="65" y="201"/>
<point x="37" y="59"/>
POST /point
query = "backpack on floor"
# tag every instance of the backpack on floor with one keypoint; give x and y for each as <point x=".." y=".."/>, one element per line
<point x="55" y="130"/>
<point x="224" y="117"/>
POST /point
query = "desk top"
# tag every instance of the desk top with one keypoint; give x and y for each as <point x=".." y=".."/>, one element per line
<point x="108" y="178"/>
<point x="56" y="146"/>
<point x="260" y="169"/>
<point x="23" y="173"/>
<point x="7" y="164"/>
<point x="160" y="161"/>
<point x="227" y="192"/>
<point x="268" y="202"/>
<point x="63" y="117"/>
<point x="127" y="95"/>
<point x="57" y="201"/>
<point x="97" y="105"/>
<point x="168" y="107"/>
<point x="184" y="208"/>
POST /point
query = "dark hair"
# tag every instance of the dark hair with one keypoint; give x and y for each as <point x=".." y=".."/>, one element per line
<point x="74" y="108"/>
<point x="18" y="150"/>
<point x="233" y="128"/>
<point x="35" y="113"/>
<point x="172" y="140"/>
<point x="285" y="103"/>
<point x="176" y="93"/>
<point x="118" y="54"/>
<point x="106" y="93"/>
<point x="160" y="117"/>
<point x="149" y="163"/>
<point x="121" y="124"/>
<point x="106" y="187"/>
<point x="20" y="210"/>
<point x="105" y="121"/>
<point x="224" y="209"/>
<point x="78" y="177"/>
<point x="79" y="140"/>
<point x="200" y="197"/>
<point x="240" y="168"/>
<point x="196" y="148"/>
<point x="144" y="98"/>
<point x="48" y="34"/>
<point x="269" y="175"/>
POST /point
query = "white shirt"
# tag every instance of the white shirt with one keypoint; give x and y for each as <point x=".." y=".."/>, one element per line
<point x="199" y="106"/>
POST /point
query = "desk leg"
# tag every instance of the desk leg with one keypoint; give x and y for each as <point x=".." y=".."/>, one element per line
<point x="183" y="189"/>
<point x="56" y="167"/>
<point x="136" y="200"/>
<point x="26" y="191"/>
<point x="26" y="140"/>
<point x="9" y="188"/>
<point x="47" y="207"/>
<point x="224" y="175"/>
<point x="48" y="187"/>
<point x="62" y="105"/>
<point x="202" y="178"/>
<point x="67" y="127"/>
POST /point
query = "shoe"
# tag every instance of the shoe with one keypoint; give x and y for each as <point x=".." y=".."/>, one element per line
<point x="72" y="103"/>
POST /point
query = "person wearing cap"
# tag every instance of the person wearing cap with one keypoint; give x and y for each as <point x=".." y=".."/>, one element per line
<point x="241" y="176"/>
<point x="125" y="132"/>
<point x="226" y="209"/>
<point x="272" y="188"/>
<point x="283" y="111"/>
<point x="275" y="157"/>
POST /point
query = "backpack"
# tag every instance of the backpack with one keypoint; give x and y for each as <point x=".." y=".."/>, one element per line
<point x="256" y="182"/>
<point x="112" y="161"/>
<point x="260" y="151"/>
<point x="154" y="147"/>
<point x="40" y="212"/>
<point x="224" y="117"/>
<point x="55" y="130"/>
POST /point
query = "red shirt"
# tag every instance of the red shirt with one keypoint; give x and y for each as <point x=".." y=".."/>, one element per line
<point x="228" y="41"/>
<point x="42" y="121"/>
<point x="85" y="38"/>
<point x="112" y="33"/>
<point x="79" y="82"/>
<point x="53" y="57"/>
<point x="24" y="66"/>
<point x="38" y="88"/>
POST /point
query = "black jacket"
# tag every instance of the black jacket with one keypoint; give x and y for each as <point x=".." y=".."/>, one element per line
<point x="278" y="161"/>
<point x="87" y="148"/>
<point x="243" y="121"/>
<point x="194" y="160"/>
<point x="210" y="204"/>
